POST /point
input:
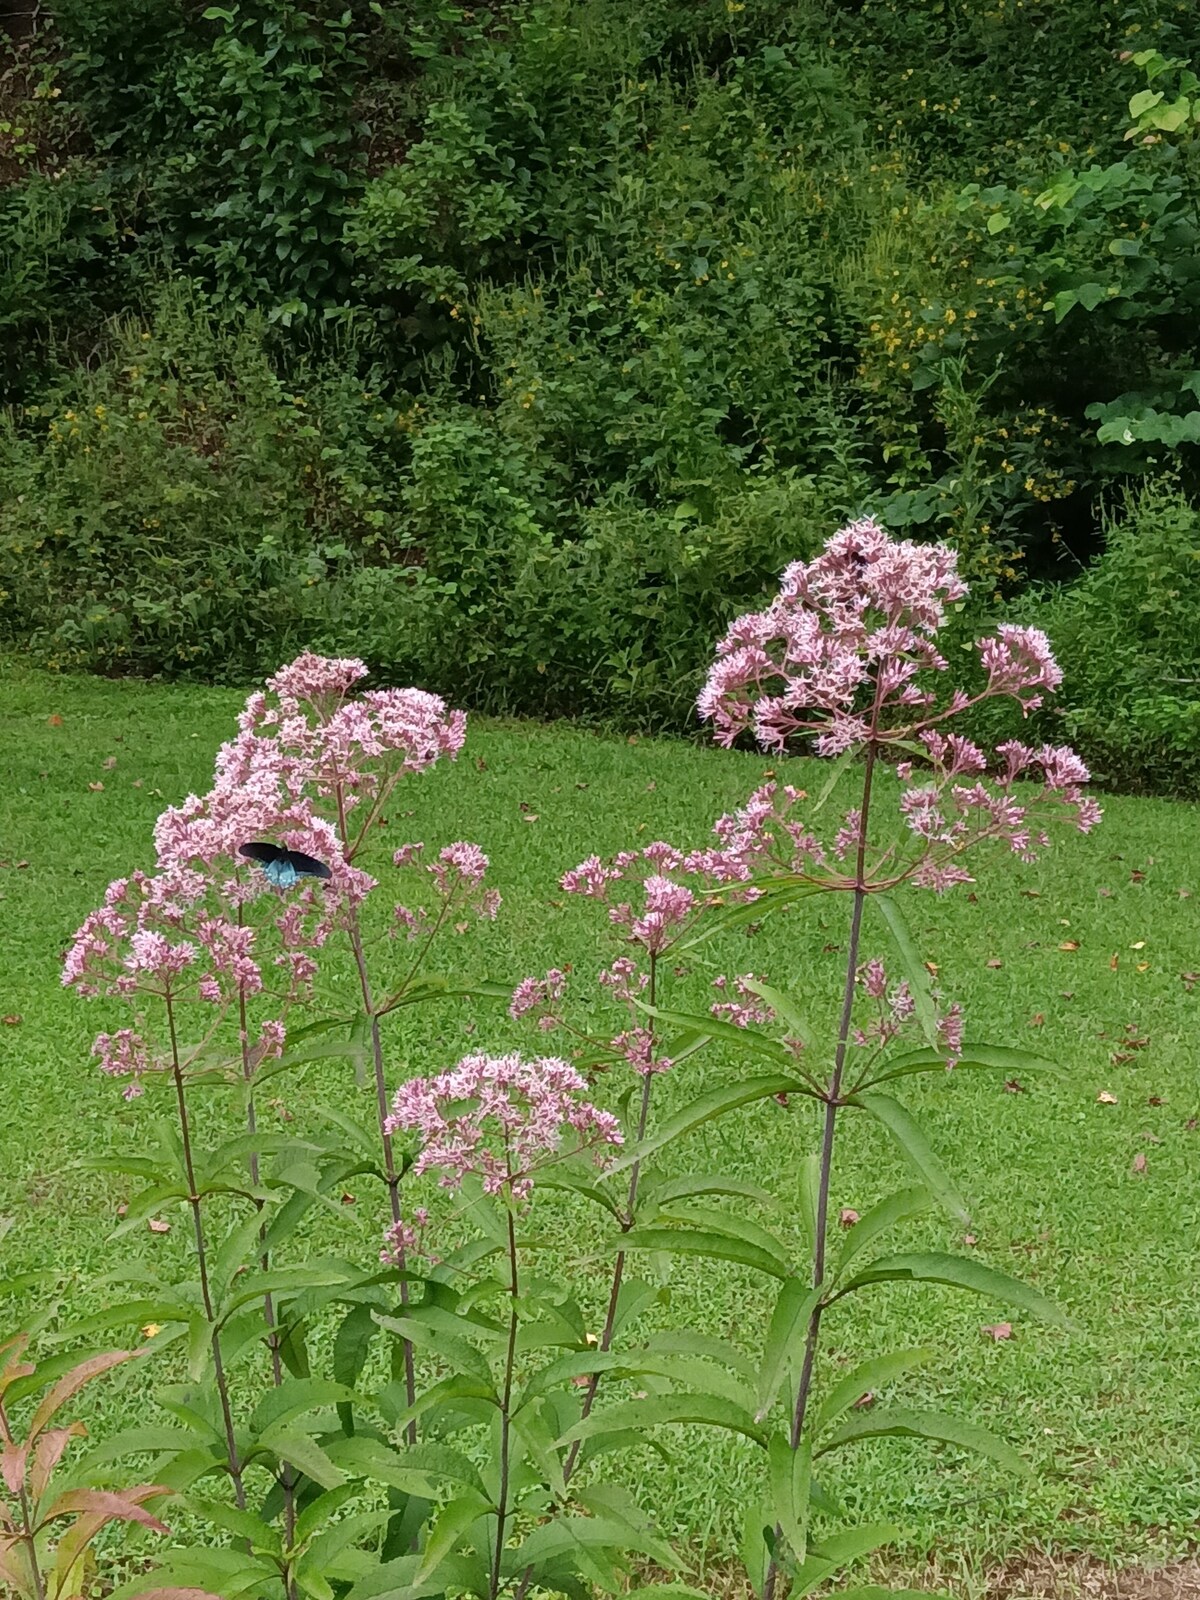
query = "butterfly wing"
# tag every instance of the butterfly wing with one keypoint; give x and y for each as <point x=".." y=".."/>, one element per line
<point x="306" y="866"/>
<point x="261" y="851"/>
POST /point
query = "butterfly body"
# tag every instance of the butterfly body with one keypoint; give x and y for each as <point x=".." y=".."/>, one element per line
<point x="283" y="868"/>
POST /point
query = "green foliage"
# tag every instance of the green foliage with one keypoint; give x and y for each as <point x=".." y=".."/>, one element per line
<point x="1126" y="631"/>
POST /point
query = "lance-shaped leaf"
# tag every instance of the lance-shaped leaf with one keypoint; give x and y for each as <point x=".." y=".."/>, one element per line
<point x="1000" y="1057"/>
<point x="901" y="1206"/>
<point x="293" y="1398"/>
<point x="705" y="1108"/>
<point x="865" y="1379"/>
<point x="914" y="968"/>
<point x="712" y="1410"/>
<point x="420" y="1469"/>
<point x="790" y="1474"/>
<point x="449" y="1528"/>
<point x="704" y="1242"/>
<point x="935" y="1425"/>
<point x="838" y="1550"/>
<point x="784" y="1007"/>
<point x="914" y="1146"/>
<point x="786" y="1335"/>
<point x="453" y="1349"/>
<point x="303" y="1452"/>
<point x="774" y="894"/>
<point x="959" y="1272"/>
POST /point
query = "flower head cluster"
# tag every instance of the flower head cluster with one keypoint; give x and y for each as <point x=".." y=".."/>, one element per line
<point x="539" y="997"/>
<point x="457" y="878"/>
<point x="895" y="1009"/>
<point x="748" y="1006"/>
<point x="667" y="907"/>
<point x="500" y="1118"/>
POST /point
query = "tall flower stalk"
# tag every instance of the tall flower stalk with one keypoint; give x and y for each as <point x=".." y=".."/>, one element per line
<point x="846" y="656"/>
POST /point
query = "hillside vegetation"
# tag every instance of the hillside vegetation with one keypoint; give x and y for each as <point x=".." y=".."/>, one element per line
<point x="516" y="348"/>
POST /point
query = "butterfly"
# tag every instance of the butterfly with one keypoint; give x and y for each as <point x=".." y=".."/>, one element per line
<point x="284" y="867"/>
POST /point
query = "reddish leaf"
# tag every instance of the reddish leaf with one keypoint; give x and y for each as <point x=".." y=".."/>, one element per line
<point x="157" y="1225"/>
<point x="113" y="1505"/>
<point x="12" y="1467"/>
<point x="1013" y="1086"/>
<point x="1139" y="1164"/>
<point x="998" y="1331"/>
<point x="55" y="721"/>
<point x="1155" y="1100"/>
<point x="47" y="1453"/>
<point x="864" y="1401"/>
<point x="1137" y="877"/>
<point x="70" y="1384"/>
<point x="847" y="1217"/>
<point x="1037" y="1020"/>
<point x="12" y="1020"/>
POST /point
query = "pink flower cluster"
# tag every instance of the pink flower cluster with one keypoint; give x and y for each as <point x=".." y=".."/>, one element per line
<point x="457" y="876"/>
<point x="667" y="906"/>
<point x="403" y="1239"/>
<point x="748" y="1007"/>
<point x="895" y="1010"/>
<point x="539" y="997"/>
<point x="499" y="1118"/>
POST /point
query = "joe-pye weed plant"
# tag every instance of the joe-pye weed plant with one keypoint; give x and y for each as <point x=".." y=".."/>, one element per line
<point x="452" y="1418"/>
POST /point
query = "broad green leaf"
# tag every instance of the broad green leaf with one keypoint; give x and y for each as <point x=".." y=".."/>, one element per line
<point x="709" y="1409"/>
<point x="351" y="1347"/>
<point x="712" y="1246"/>
<point x="786" y="1336"/>
<point x="836" y="1550"/>
<point x="714" y="1220"/>
<point x="706" y="1107"/>
<point x="907" y="1133"/>
<point x="452" y="1349"/>
<point x="303" y="1452"/>
<point x="958" y="1272"/>
<point x="914" y="968"/>
<point x="791" y="1474"/>
<point x="901" y="1206"/>
<point x="867" y="1377"/>
<point x="449" y="1528"/>
<point x="420" y="1469"/>
<point x="937" y="1425"/>
<point x="295" y="1396"/>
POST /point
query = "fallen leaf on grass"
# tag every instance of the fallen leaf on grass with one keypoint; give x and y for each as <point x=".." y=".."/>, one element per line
<point x="1012" y="1086"/>
<point x="55" y="721"/>
<point x="110" y="763"/>
<point x="931" y="967"/>
<point x="1138" y="944"/>
<point x="1032" y="894"/>
<point x="1119" y="1058"/>
<point x="136" y="784"/>
<point x="461" y="927"/>
<point x="157" y="1225"/>
<point x="1138" y="1166"/>
<point x="1143" y="966"/>
<point x="993" y="963"/>
<point x="1149" y="1138"/>
<point x="1069" y="944"/>
<point x="1189" y="980"/>
<point x="1192" y="1124"/>
<point x="970" y="1240"/>
<point x="1184" y="894"/>
<point x="848" y="1217"/>
<point x="1066" y="994"/>
<point x="1155" y="1100"/>
<point x="864" y="1401"/>
<point x="1105" y="894"/>
<point x="1137" y="877"/>
<point x="1115" y="963"/>
<point x="1037" y="1020"/>
<point x="13" y="1020"/>
<point x="1106" y="1099"/>
<point x="999" y="1331"/>
<point x="95" y="787"/>
<point x="530" y="816"/>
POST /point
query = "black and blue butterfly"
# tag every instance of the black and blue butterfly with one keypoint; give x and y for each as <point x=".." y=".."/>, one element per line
<point x="284" y="867"/>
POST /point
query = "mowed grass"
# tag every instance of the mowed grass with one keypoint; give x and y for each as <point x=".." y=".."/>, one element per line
<point x="1072" y="958"/>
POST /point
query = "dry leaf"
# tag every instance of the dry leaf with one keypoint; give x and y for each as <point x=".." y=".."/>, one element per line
<point x="1012" y="1086"/>
<point x="122" y="1209"/>
<point x="1032" y="894"/>
<point x="1106" y="1099"/>
<point x="461" y="927"/>
<point x="1140" y="944"/>
<point x="1184" y="894"/>
<point x="530" y="816"/>
<point x="970" y="1240"/>
<point x="157" y="1225"/>
<point x="1105" y="894"/>
<point x="1155" y="1100"/>
<point x="55" y="721"/>
<point x="1115" y="963"/>
<point x="1069" y="944"/>
<point x="13" y="1020"/>
<point x="999" y="1331"/>
<point x="994" y="964"/>
<point x="864" y="1401"/>
<point x="136" y="784"/>
<point x="1139" y="1164"/>
<point x="1037" y="1020"/>
<point x="1119" y="1058"/>
<point x="480" y="764"/>
<point x="1149" y="1138"/>
<point x="1192" y="1124"/>
<point x="1189" y="980"/>
<point x="847" y="1217"/>
<point x="348" y="1199"/>
<point x="1143" y="966"/>
<point x="95" y="787"/>
<point x="1066" y="994"/>
<point x="931" y="967"/>
<point x="651" y="786"/>
<point x="1136" y="876"/>
<point x="110" y="763"/>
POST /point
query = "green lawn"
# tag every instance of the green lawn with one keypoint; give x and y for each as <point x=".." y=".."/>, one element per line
<point x="1109" y="1419"/>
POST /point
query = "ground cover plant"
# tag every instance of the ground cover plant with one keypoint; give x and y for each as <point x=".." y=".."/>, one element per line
<point x="335" y="1455"/>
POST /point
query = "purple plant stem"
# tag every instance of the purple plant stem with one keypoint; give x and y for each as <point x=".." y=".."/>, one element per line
<point x="505" y="1408"/>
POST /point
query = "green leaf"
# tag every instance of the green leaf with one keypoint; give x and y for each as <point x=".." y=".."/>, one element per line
<point x="900" y="1206"/>
<point x="775" y="894"/>
<point x="790" y="1474"/>
<point x="914" y="968"/>
<point x="998" y="221"/>
<point x="705" y="1108"/>
<point x="658" y="1409"/>
<point x="262" y="1538"/>
<point x="957" y="1272"/>
<point x="925" y="1425"/>
<point x="907" y="1133"/>
<point x="1002" y="1057"/>
<point x="749" y="1040"/>
<point x="457" y="1352"/>
<point x="351" y="1347"/>
<point x="837" y="1550"/>
<point x="785" y="1009"/>
<point x="419" y="1469"/>
<point x="660" y="1195"/>
<point x="786" y="1335"/>
<point x="295" y="1396"/>
<point x="449" y="1528"/>
<point x="808" y="1186"/>
<point x="867" y="1377"/>
<point x="301" y="1451"/>
<point x="700" y="1242"/>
